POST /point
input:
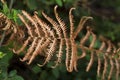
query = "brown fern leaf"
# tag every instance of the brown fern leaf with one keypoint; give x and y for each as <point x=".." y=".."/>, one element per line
<point x="37" y="50"/>
<point x="113" y="49"/>
<point x="92" y="53"/>
<point x="55" y="25"/>
<point x="46" y="40"/>
<point x="111" y="69"/>
<point x="83" y="40"/>
<point x="60" y="53"/>
<point x="73" y="61"/>
<point x="60" y="28"/>
<point x="23" y="46"/>
<point x="26" y="24"/>
<point x="10" y="30"/>
<point x="80" y="25"/>
<point x="6" y="24"/>
<point x="67" y="41"/>
<point x="30" y="49"/>
<point x="106" y="57"/>
<point x="61" y="31"/>
<point x="42" y="27"/>
<point x="33" y="23"/>
<point x="117" y="64"/>
<point x="99" y="59"/>
<point x="71" y="23"/>
<point x="51" y="51"/>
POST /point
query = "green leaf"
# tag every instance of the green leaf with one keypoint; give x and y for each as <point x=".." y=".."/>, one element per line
<point x="14" y="15"/>
<point x="62" y="68"/>
<point x="32" y="4"/>
<point x="97" y="44"/>
<point x="3" y="75"/>
<point x="12" y="73"/>
<point x="50" y="64"/>
<point x="43" y="75"/>
<point x="0" y="71"/>
<point x="5" y="9"/>
<point x="59" y="2"/>
<point x="55" y="72"/>
<point x="2" y="55"/>
<point x="36" y="69"/>
<point x="16" y="78"/>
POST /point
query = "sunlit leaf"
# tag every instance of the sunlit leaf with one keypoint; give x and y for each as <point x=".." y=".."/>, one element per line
<point x="2" y="54"/>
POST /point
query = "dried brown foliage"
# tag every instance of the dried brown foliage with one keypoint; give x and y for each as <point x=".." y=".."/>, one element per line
<point x="11" y="29"/>
<point x="49" y="40"/>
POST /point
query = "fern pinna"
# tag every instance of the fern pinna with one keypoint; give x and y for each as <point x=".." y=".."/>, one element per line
<point x="52" y="39"/>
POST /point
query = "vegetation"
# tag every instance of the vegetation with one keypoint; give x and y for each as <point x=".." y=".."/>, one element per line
<point x="21" y="27"/>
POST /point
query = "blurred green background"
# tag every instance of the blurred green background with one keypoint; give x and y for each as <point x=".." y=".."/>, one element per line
<point x="106" y="17"/>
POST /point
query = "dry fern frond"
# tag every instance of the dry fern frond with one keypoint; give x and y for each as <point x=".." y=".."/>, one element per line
<point x="26" y="24"/>
<point x="51" y="51"/>
<point x="23" y="47"/>
<point x="117" y="64"/>
<point x="55" y="25"/>
<point x="83" y="40"/>
<point x="7" y="24"/>
<point x="60" y="53"/>
<point x="46" y="40"/>
<point x="33" y="23"/>
<point x="92" y="53"/>
<point x="99" y="59"/>
<point x="30" y="49"/>
<point x="80" y="25"/>
<point x="58" y="32"/>
<point x="58" y="28"/>
<point x="111" y="69"/>
<point x="10" y="30"/>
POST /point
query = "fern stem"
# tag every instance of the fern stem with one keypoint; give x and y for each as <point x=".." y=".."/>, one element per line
<point x="2" y="39"/>
<point x="11" y="4"/>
